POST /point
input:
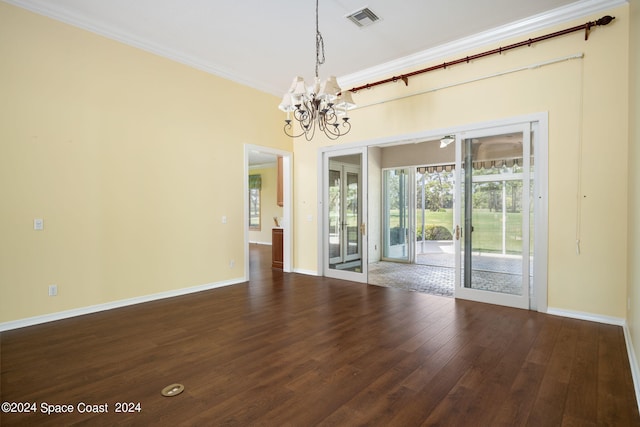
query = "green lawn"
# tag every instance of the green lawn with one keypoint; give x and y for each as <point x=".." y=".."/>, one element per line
<point x="487" y="234"/>
<point x="487" y="231"/>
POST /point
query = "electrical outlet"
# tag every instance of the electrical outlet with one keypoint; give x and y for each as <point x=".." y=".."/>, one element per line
<point x="53" y="290"/>
<point x="38" y="224"/>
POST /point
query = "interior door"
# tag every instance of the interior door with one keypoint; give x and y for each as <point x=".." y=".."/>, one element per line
<point x="344" y="214"/>
<point x="494" y="226"/>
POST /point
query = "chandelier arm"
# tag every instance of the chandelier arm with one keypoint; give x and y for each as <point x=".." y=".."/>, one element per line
<point x="313" y="110"/>
<point x="332" y="134"/>
<point x="305" y="114"/>
<point x="310" y="132"/>
<point x="322" y="121"/>
<point x="330" y="116"/>
<point x="301" y="115"/>
<point x="288" y="127"/>
<point x="347" y="124"/>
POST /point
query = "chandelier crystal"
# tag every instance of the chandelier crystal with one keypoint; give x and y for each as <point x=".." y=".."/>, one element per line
<point x="322" y="105"/>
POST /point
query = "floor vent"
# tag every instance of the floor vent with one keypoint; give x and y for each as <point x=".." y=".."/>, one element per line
<point x="363" y="17"/>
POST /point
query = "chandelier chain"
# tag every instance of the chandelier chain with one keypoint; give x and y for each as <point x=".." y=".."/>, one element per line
<point x="319" y="44"/>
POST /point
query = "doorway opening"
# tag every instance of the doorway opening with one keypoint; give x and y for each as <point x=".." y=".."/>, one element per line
<point x="418" y="252"/>
<point x="267" y="206"/>
<point x="470" y="225"/>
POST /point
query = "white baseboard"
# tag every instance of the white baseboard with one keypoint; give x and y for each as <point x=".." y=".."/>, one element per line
<point x="631" y="354"/>
<point x="30" y="321"/>
<point x="586" y="316"/>
<point x="307" y="272"/>
<point x="633" y="362"/>
<point x="261" y="243"/>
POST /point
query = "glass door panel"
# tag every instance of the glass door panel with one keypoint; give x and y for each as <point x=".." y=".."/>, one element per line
<point x="396" y="215"/>
<point x="344" y="213"/>
<point x="335" y="216"/>
<point x="352" y="214"/>
<point x="496" y="254"/>
<point x="495" y="218"/>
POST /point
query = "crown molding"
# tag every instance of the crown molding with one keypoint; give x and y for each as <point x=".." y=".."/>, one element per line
<point x="528" y="25"/>
<point x="547" y="19"/>
<point x="131" y="40"/>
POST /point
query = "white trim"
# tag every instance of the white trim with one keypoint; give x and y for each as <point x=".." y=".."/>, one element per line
<point x="121" y="36"/>
<point x="287" y="210"/>
<point x="427" y="135"/>
<point x="460" y="291"/>
<point x="633" y="362"/>
<point x="591" y="317"/>
<point x="320" y="212"/>
<point x="477" y="128"/>
<point x="609" y="320"/>
<point x="528" y="25"/>
<point x="541" y="212"/>
<point x="533" y="23"/>
<point x="306" y="272"/>
<point x="260" y="243"/>
<point x="323" y="245"/>
<point x="30" y="321"/>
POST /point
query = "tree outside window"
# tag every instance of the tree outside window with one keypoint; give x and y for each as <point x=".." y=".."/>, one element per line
<point x="255" y="185"/>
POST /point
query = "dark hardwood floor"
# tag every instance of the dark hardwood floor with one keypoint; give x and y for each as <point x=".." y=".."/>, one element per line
<point x="289" y="349"/>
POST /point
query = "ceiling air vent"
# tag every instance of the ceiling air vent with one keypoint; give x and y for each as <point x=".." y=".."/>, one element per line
<point x="363" y="17"/>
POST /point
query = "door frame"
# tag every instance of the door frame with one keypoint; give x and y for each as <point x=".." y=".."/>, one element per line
<point x="540" y="130"/>
<point x="411" y="216"/>
<point x="460" y="291"/>
<point x="346" y="168"/>
<point x="323" y="212"/>
<point x="287" y="208"/>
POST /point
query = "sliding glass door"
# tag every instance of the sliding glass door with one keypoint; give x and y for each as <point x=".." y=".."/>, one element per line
<point x="345" y="215"/>
<point x="494" y="231"/>
<point x="398" y="215"/>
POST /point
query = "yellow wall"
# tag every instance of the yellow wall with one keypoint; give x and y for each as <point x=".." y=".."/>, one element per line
<point x="122" y="154"/>
<point x="269" y="208"/>
<point x="633" y="314"/>
<point x="305" y="206"/>
<point x="131" y="159"/>
<point x="594" y="281"/>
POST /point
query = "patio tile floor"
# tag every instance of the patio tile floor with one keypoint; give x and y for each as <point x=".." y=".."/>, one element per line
<point x="493" y="273"/>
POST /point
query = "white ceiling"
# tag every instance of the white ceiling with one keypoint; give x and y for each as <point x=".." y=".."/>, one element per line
<point x="263" y="44"/>
<point x="261" y="159"/>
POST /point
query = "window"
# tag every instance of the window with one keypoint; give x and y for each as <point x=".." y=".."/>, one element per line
<point x="255" y="185"/>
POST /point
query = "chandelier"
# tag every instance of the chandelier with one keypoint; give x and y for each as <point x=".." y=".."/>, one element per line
<point x="322" y="105"/>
